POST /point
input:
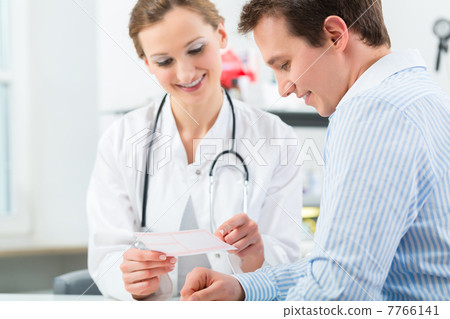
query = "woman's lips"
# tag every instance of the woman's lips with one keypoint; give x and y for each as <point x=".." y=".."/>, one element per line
<point x="194" y="86"/>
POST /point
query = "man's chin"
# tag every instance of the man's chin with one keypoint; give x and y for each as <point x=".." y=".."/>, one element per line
<point x="324" y="111"/>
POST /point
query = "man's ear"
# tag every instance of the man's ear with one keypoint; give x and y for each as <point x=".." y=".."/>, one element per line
<point x="223" y="36"/>
<point x="336" y="32"/>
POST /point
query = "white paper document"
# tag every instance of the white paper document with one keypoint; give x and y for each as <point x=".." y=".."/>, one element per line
<point x="183" y="243"/>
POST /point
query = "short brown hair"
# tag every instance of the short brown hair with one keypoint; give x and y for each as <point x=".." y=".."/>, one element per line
<point x="305" y="18"/>
<point x="148" y="12"/>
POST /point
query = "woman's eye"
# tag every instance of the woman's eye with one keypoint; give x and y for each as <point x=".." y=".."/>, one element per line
<point x="164" y="63"/>
<point x="196" y="50"/>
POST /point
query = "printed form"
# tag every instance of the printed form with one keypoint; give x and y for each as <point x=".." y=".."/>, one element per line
<point x="183" y="243"/>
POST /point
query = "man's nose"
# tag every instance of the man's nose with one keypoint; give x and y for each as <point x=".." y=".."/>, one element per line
<point x="285" y="88"/>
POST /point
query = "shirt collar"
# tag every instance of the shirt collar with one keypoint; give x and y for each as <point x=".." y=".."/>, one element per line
<point x="220" y="127"/>
<point x="222" y="124"/>
<point x="382" y="69"/>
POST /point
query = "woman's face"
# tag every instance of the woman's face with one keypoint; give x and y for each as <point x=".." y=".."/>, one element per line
<point x="183" y="52"/>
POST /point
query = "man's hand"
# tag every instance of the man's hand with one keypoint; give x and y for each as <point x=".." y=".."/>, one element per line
<point x="242" y="232"/>
<point x="141" y="270"/>
<point x="206" y="284"/>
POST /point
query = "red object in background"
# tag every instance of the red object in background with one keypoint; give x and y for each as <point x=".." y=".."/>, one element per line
<point x="233" y="68"/>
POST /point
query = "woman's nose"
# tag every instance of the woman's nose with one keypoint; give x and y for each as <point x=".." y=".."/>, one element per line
<point x="185" y="73"/>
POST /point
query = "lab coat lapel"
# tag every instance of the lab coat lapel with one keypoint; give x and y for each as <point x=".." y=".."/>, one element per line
<point x="216" y="140"/>
<point x="169" y="188"/>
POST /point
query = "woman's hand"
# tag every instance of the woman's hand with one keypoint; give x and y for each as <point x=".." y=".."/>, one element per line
<point x="242" y="232"/>
<point x="141" y="270"/>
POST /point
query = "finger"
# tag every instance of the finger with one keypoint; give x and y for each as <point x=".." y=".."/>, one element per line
<point x="234" y="222"/>
<point x="219" y="235"/>
<point x="248" y="229"/>
<point x="220" y="287"/>
<point x="244" y="243"/>
<point x="138" y="276"/>
<point x="143" y="288"/>
<point x="132" y="266"/>
<point x="186" y="293"/>
<point x="212" y="293"/>
<point x="254" y="249"/>
<point x="195" y="280"/>
<point x="144" y="255"/>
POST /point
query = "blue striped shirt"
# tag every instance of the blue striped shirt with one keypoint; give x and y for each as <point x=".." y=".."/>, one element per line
<point x="383" y="230"/>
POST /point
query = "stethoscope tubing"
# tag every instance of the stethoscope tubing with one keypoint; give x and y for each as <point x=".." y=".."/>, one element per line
<point x="211" y="171"/>
<point x="146" y="178"/>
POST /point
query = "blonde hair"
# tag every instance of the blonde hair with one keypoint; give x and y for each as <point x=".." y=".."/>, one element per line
<point x="148" y="12"/>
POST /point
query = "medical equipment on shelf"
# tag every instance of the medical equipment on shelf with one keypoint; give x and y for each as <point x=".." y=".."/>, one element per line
<point x="442" y="30"/>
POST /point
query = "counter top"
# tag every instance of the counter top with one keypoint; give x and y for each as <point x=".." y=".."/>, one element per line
<point x="33" y="247"/>
<point x="50" y="297"/>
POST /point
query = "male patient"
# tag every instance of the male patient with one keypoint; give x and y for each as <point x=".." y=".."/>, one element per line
<point x="383" y="231"/>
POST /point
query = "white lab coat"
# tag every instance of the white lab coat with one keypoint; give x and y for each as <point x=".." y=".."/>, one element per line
<point x="115" y="192"/>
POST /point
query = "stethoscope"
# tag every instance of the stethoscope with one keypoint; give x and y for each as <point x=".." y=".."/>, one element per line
<point x="213" y="170"/>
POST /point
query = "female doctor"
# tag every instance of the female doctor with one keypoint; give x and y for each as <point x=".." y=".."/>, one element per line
<point x="180" y="42"/>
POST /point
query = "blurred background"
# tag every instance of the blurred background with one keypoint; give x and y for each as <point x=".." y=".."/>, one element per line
<point x="68" y="69"/>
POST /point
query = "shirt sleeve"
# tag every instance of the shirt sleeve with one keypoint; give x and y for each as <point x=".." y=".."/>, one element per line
<point x="110" y="219"/>
<point x="369" y="201"/>
<point x="112" y="222"/>
<point x="272" y="283"/>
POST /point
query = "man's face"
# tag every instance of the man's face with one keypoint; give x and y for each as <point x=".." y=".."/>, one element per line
<point x="315" y="74"/>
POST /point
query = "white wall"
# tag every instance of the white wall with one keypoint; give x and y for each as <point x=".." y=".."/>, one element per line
<point x="123" y="81"/>
<point x="80" y="68"/>
<point x="64" y="117"/>
<point x="410" y="25"/>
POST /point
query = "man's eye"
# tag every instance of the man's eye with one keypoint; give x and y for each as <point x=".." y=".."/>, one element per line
<point x="196" y="50"/>
<point x="285" y="66"/>
<point x="165" y="62"/>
